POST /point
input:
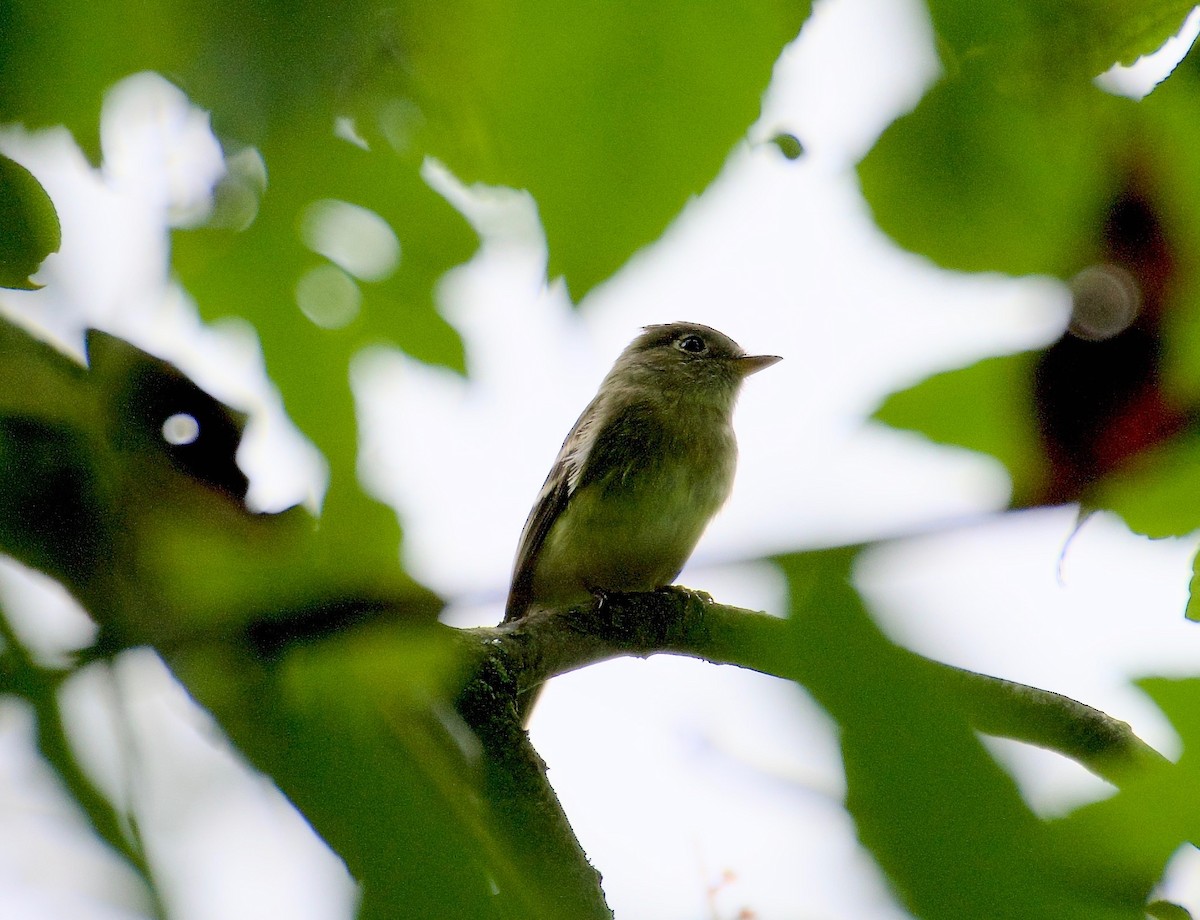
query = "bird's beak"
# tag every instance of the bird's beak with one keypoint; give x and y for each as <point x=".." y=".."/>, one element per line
<point x="752" y="364"/>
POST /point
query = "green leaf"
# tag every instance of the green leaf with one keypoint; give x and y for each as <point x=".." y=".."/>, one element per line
<point x="360" y="731"/>
<point x="1193" y="604"/>
<point x="1165" y="910"/>
<point x="30" y="226"/>
<point x="341" y="728"/>
<point x="154" y="538"/>
<point x="1007" y="164"/>
<point x="1173" y="134"/>
<point x="1127" y="839"/>
<point x="1159" y="493"/>
<point x="53" y="512"/>
<point x="324" y="669"/>
<point x="944" y="822"/>
<point x="258" y="272"/>
<point x="278" y="76"/>
<point x="611" y="114"/>
<point x="986" y="407"/>
<point x="982" y="179"/>
<point x="251" y="63"/>
<point x="1014" y="167"/>
<point x="789" y="145"/>
<point x="1055" y="42"/>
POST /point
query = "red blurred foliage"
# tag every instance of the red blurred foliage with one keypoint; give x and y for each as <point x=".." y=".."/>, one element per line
<point x="1101" y="403"/>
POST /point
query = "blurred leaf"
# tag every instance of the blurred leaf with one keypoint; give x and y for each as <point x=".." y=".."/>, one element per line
<point x="941" y="818"/>
<point x="1055" y="42"/>
<point x="325" y="669"/>
<point x="611" y="114"/>
<point x="986" y="407"/>
<point x="1192" y="612"/>
<point x="1008" y="161"/>
<point x="22" y="676"/>
<point x="30" y="225"/>
<point x="256" y="273"/>
<point x="360" y="730"/>
<point x="250" y="63"/>
<point x="53" y="508"/>
<point x="642" y="104"/>
<point x="348" y="730"/>
<point x="1165" y="910"/>
<point x="789" y="145"/>
<point x="1159" y="494"/>
<point x="978" y="180"/>
<point x="277" y="76"/>
<point x="1135" y="832"/>
<point x="1110" y="420"/>
<point x="154" y="537"/>
<point x="143" y="394"/>
<point x="52" y="490"/>
<point x="1171" y="136"/>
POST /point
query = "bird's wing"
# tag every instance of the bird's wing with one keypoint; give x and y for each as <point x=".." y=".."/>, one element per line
<point x="550" y="503"/>
<point x="556" y="491"/>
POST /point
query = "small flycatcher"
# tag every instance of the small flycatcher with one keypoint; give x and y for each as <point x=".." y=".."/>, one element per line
<point x="645" y="468"/>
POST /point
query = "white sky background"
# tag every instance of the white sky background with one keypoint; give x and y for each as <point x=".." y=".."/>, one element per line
<point x="697" y="790"/>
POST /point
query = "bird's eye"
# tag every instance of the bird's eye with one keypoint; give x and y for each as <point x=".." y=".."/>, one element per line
<point x="692" y="344"/>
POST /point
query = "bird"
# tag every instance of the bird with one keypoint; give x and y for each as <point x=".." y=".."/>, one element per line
<point x="640" y="475"/>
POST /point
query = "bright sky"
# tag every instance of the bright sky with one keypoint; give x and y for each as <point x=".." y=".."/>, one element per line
<point x="697" y="790"/>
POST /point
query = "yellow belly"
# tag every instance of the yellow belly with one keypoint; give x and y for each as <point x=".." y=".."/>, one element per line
<point x="628" y="536"/>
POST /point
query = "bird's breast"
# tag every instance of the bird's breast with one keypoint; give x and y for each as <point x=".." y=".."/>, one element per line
<point x="633" y="526"/>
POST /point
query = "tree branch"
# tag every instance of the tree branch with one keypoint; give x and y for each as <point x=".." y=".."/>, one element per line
<point x="683" y="622"/>
<point x="538" y="834"/>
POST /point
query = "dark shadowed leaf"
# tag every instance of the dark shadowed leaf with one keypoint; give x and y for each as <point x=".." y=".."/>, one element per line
<point x="153" y="536"/>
